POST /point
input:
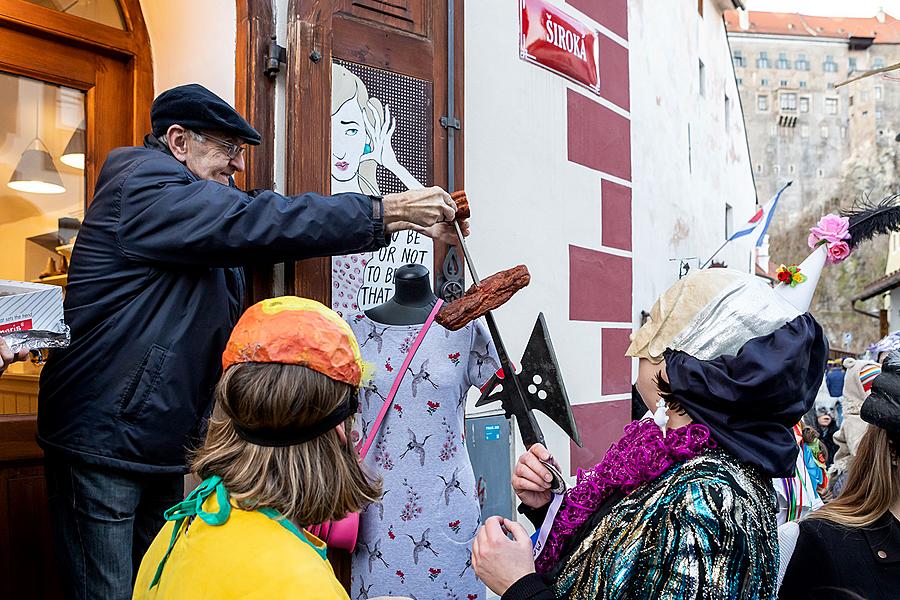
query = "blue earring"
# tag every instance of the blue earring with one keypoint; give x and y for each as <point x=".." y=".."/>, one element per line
<point x="368" y="148"/>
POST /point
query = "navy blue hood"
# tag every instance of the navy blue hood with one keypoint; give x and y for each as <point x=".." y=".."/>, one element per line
<point x="751" y="400"/>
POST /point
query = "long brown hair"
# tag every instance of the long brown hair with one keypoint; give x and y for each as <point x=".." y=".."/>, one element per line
<point x="309" y="483"/>
<point x="873" y="483"/>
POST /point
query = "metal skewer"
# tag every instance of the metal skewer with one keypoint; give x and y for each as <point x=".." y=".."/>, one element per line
<point x="465" y="251"/>
<point x="531" y="434"/>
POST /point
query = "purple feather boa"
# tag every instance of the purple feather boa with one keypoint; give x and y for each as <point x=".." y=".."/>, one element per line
<point x="641" y="455"/>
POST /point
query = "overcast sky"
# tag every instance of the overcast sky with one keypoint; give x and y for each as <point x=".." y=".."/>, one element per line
<point x="831" y="8"/>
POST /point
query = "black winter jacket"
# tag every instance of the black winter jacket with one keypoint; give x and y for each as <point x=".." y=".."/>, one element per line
<point x="155" y="287"/>
<point x="832" y="562"/>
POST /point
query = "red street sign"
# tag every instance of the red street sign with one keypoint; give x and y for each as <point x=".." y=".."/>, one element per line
<point x="559" y="42"/>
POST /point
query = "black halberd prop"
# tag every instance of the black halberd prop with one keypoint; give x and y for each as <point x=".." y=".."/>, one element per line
<point x="540" y="378"/>
<point x="540" y="372"/>
<point x="537" y="386"/>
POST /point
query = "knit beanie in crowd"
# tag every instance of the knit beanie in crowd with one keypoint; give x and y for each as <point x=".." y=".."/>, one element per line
<point x="858" y="383"/>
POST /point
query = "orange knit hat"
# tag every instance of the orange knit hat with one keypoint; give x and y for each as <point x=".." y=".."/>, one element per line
<point x="296" y="331"/>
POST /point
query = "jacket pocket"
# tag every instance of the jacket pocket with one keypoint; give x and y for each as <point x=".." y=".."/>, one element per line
<point x="143" y="383"/>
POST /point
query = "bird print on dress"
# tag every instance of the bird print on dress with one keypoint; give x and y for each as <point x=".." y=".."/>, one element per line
<point x="422" y="544"/>
<point x="484" y="359"/>
<point x="363" y="589"/>
<point x="379" y="505"/>
<point x="422" y="375"/>
<point x="365" y="430"/>
<point x="371" y="389"/>
<point x="376" y="336"/>
<point x="450" y="485"/>
<point x="416" y="446"/>
<point x="375" y="554"/>
<point x="468" y="563"/>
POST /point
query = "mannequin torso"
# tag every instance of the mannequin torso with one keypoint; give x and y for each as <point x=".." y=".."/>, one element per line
<point x="413" y="298"/>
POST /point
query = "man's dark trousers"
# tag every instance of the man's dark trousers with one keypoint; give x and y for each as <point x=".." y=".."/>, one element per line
<point x="99" y="514"/>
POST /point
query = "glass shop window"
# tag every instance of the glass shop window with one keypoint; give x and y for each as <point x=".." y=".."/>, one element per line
<point x="42" y="145"/>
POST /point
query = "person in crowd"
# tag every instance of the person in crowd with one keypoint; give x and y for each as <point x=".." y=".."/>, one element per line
<point x="8" y="357"/>
<point x="834" y="378"/>
<point x="857" y="385"/>
<point x="155" y="286"/>
<point x="852" y="544"/>
<point x="880" y="349"/>
<point x="276" y="459"/>
<point x="728" y="366"/>
<point x="798" y="494"/>
<point x="815" y="459"/>
<point x="825" y="427"/>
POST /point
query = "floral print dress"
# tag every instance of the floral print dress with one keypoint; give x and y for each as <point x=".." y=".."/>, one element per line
<point x="417" y="542"/>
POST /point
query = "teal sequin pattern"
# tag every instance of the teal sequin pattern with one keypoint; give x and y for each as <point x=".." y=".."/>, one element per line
<point x="704" y="529"/>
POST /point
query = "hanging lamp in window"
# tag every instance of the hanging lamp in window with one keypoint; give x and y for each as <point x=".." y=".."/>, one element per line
<point x="73" y="155"/>
<point x="35" y="171"/>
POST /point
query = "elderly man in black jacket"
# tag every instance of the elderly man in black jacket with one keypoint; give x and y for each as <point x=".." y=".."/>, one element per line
<point x="155" y="286"/>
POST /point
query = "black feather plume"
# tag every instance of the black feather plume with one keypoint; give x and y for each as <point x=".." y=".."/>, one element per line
<point x="868" y="219"/>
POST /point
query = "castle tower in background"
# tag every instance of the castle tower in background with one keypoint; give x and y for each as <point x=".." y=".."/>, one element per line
<point x="837" y="144"/>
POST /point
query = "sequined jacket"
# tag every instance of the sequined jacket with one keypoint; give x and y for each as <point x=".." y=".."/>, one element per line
<point x="705" y="529"/>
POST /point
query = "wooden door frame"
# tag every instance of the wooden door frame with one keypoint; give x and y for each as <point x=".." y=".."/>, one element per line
<point x="133" y="43"/>
<point x="130" y="46"/>
<point x="254" y="98"/>
<point x="311" y="25"/>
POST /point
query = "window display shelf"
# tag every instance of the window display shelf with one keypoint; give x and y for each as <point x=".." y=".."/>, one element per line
<point x="66" y="250"/>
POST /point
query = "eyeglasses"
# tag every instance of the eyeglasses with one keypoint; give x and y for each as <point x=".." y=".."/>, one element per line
<point x="231" y="150"/>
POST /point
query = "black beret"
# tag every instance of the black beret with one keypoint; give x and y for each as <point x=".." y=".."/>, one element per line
<point x="195" y="107"/>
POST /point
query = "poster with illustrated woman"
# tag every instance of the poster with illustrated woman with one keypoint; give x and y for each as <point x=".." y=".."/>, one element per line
<point x="366" y="139"/>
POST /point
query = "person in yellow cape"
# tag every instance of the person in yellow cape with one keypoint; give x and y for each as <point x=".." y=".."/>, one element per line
<point x="276" y="459"/>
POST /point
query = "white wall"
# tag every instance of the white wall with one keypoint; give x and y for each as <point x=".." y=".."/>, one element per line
<point x="680" y="211"/>
<point x="192" y="42"/>
<point x="528" y="201"/>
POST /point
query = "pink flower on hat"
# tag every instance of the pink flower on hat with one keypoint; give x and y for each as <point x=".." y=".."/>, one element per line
<point x="838" y="252"/>
<point x="833" y="231"/>
<point x="830" y="229"/>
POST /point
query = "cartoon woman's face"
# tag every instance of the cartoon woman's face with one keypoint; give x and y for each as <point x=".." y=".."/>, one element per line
<point x="348" y="140"/>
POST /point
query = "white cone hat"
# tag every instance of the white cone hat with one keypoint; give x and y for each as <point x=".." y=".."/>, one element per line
<point x="801" y="295"/>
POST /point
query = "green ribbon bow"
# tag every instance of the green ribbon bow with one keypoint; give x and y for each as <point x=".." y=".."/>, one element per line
<point x="192" y="506"/>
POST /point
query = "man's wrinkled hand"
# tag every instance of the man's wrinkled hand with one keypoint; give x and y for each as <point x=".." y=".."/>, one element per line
<point x="424" y="208"/>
